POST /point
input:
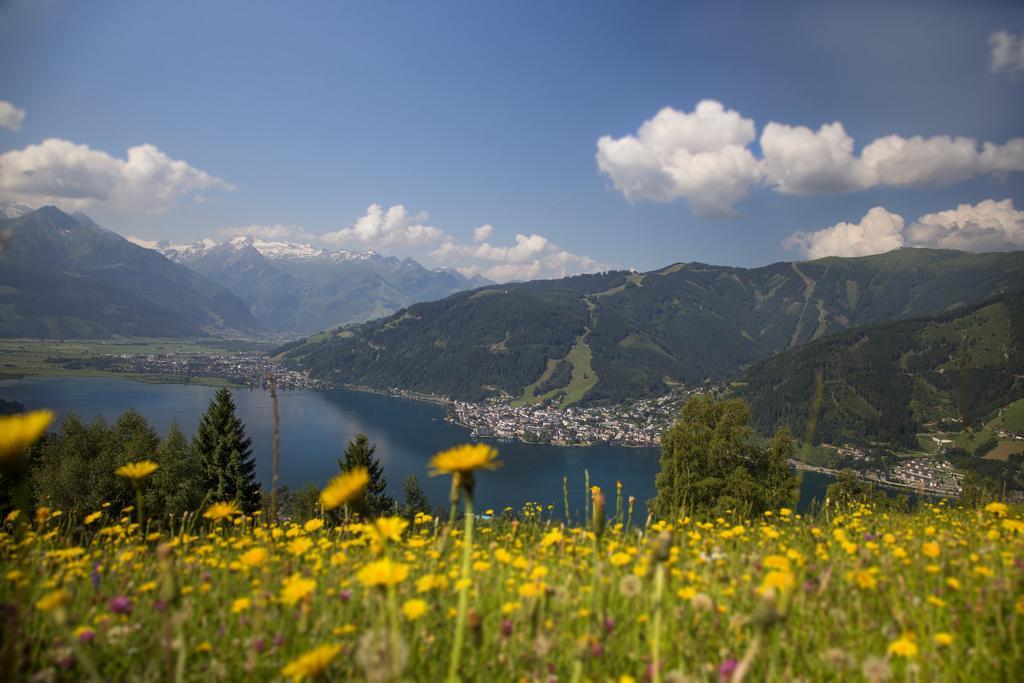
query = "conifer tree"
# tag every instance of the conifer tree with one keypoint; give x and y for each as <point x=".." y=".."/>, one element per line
<point x="359" y="453"/>
<point x="223" y="454"/>
<point x="415" y="499"/>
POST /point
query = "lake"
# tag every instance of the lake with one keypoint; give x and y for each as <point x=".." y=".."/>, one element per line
<point x="315" y="426"/>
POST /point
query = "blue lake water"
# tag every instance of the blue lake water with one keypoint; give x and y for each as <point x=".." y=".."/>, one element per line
<point x="315" y="426"/>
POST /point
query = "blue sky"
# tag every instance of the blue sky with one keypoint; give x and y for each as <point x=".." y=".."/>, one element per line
<point x="488" y="113"/>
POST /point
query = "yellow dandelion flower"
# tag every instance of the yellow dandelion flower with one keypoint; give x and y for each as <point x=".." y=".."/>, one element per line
<point x="904" y="646"/>
<point x="52" y="601"/>
<point x="943" y="639"/>
<point x="254" y="557"/>
<point x="11" y="516"/>
<point x="997" y="509"/>
<point x="620" y="559"/>
<point x="137" y="470"/>
<point x="777" y="580"/>
<point x="931" y="549"/>
<point x="221" y="511"/>
<point x="463" y="459"/>
<point x="1013" y="525"/>
<point x="385" y="529"/>
<point x="18" y="432"/>
<point x="240" y="605"/>
<point x="312" y="663"/>
<point x="344" y="487"/>
<point x="552" y="537"/>
<point x="299" y="546"/>
<point x="383" y="573"/>
<point x="296" y="587"/>
<point x="92" y="517"/>
<point x="313" y="525"/>
<point x="414" y="609"/>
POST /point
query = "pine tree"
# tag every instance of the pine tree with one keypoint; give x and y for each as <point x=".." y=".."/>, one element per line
<point x="223" y="454"/>
<point x="359" y="453"/>
<point x="415" y="499"/>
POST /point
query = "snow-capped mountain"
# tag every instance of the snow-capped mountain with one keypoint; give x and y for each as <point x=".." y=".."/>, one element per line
<point x="298" y="288"/>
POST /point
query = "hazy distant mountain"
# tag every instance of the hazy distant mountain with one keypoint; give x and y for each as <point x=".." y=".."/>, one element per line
<point x="301" y="289"/>
<point x="13" y="210"/>
<point x="65" y="276"/>
<point x="611" y="336"/>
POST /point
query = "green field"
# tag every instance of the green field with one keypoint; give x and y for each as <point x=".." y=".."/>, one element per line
<point x="28" y="357"/>
<point x="1013" y="416"/>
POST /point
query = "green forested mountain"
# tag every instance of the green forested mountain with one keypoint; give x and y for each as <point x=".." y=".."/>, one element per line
<point x="64" y="276"/>
<point x="885" y="383"/>
<point x="635" y="334"/>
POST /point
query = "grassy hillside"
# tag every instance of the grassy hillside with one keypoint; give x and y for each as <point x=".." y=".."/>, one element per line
<point x="885" y="383"/>
<point x="645" y="331"/>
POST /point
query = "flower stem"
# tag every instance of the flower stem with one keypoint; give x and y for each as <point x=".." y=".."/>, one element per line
<point x="460" y="620"/>
<point x="659" y="589"/>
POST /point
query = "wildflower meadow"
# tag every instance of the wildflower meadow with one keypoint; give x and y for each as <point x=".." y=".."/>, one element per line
<point x="849" y="593"/>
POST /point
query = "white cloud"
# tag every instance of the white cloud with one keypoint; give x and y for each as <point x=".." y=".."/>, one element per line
<point x="483" y="233"/>
<point x="10" y="116"/>
<point x="277" y="231"/>
<point x="877" y="232"/>
<point x="1007" y="53"/>
<point x="394" y="229"/>
<point x="704" y="158"/>
<point x="380" y="228"/>
<point x="987" y="226"/>
<point x="74" y="177"/>
<point x="700" y="156"/>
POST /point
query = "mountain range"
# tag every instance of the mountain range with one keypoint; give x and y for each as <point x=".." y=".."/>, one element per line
<point x="607" y="337"/>
<point x="300" y="289"/>
<point x="64" y="276"/>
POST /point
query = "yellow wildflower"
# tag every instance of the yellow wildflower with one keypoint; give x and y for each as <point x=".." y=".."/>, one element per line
<point x="463" y="459"/>
<point x="997" y="509"/>
<point x="253" y="557"/>
<point x="52" y="601"/>
<point x="312" y="663"/>
<point x="299" y="546"/>
<point x="18" y="432"/>
<point x="383" y="573"/>
<point x="904" y="646"/>
<point x="221" y="511"/>
<point x="137" y="470"/>
<point x="414" y="609"/>
<point x="240" y="605"/>
<point x="344" y="487"/>
<point x="296" y="587"/>
<point x="92" y="517"/>
<point x="313" y="524"/>
<point x="943" y="639"/>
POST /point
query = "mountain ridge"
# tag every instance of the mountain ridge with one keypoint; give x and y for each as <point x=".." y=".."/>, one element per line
<point x="686" y="323"/>
<point x="66" y="276"/>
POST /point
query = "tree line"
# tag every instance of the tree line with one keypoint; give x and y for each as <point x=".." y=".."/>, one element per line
<point x="72" y="469"/>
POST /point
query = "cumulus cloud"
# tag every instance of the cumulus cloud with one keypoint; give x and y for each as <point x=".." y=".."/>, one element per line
<point x="10" y="116"/>
<point x="277" y="231"/>
<point x="483" y="233"/>
<point x="75" y="177"/>
<point x="987" y="226"/>
<point x="386" y="228"/>
<point x="704" y="158"/>
<point x="395" y="229"/>
<point x="701" y="157"/>
<point x="877" y="232"/>
<point x="1007" y="56"/>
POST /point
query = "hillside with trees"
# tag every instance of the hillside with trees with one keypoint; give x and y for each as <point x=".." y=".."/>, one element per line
<point x="631" y="335"/>
<point x="884" y="384"/>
